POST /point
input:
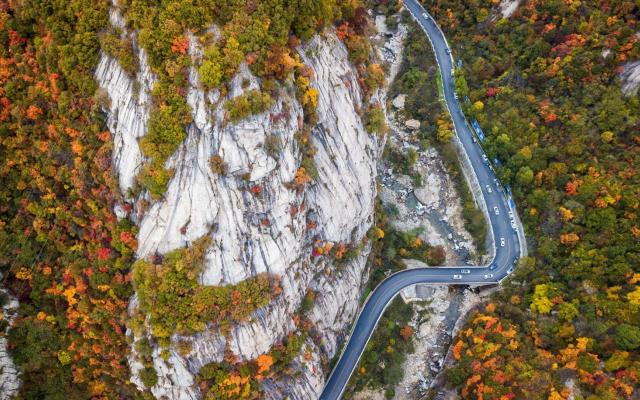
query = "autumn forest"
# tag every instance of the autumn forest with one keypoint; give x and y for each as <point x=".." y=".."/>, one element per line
<point x="544" y="84"/>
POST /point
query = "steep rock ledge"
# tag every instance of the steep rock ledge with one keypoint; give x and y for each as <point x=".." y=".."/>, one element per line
<point x="129" y="104"/>
<point x="9" y="378"/>
<point x="199" y="202"/>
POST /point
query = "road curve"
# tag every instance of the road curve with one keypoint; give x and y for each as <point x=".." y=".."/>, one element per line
<point x="508" y="241"/>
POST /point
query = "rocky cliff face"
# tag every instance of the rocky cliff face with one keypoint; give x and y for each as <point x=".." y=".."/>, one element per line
<point x="9" y="380"/>
<point x="337" y="207"/>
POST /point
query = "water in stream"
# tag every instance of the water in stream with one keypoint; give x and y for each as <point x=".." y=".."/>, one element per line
<point x="434" y="216"/>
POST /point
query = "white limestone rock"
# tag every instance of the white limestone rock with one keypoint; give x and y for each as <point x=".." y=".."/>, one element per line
<point x="399" y="101"/>
<point x="129" y="102"/>
<point x="412" y="124"/>
<point x="305" y="386"/>
<point x="199" y="202"/>
<point x="9" y="379"/>
<point x="630" y="78"/>
<point x="508" y="7"/>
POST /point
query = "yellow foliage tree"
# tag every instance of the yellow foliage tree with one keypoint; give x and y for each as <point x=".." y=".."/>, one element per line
<point x="554" y="395"/>
<point x="566" y="214"/>
<point x="310" y="98"/>
<point x="301" y="178"/>
<point x="634" y="297"/>
<point x="569" y="238"/>
<point x="445" y="130"/>
<point x="541" y="302"/>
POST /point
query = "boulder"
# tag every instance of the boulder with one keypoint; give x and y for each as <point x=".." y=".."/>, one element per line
<point x="398" y="102"/>
<point x="412" y="124"/>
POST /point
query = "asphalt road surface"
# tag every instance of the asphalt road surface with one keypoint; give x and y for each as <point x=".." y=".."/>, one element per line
<point x="507" y="241"/>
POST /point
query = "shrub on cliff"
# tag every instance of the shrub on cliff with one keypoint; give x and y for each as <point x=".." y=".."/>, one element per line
<point x="246" y="104"/>
<point x="170" y="294"/>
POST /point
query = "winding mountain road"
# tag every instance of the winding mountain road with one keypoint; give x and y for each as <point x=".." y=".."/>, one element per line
<point x="509" y="241"/>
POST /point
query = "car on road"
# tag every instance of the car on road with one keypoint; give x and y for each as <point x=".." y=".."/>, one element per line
<point x="489" y="189"/>
<point x="501" y="242"/>
<point x="457" y="277"/>
<point x="474" y="139"/>
<point x="465" y="271"/>
<point x="496" y="211"/>
<point x="488" y="276"/>
<point x="492" y="267"/>
<point x="425" y="15"/>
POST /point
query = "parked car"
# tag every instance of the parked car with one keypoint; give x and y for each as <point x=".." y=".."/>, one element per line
<point x="513" y="224"/>
<point x="511" y="214"/>
<point x="488" y="276"/>
<point x="465" y="271"/>
<point x="510" y="270"/>
<point x="496" y="211"/>
<point x="492" y="267"/>
<point x="474" y="139"/>
<point x="501" y="242"/>
<point x="425" y="15"/>
<point x="489" y="189"/>
<point x="457" y="277"/>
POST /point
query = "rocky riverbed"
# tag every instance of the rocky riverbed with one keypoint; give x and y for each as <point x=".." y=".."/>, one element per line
<point x="434" y="209"/>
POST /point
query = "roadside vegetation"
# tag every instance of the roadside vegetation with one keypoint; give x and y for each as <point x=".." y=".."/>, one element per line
<point x="391" y="246"/>
<point x="419" y="78"/>
<point x="544" y="87"/>
<point x="381" y="365"/>
<point x="382" y="361"/>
